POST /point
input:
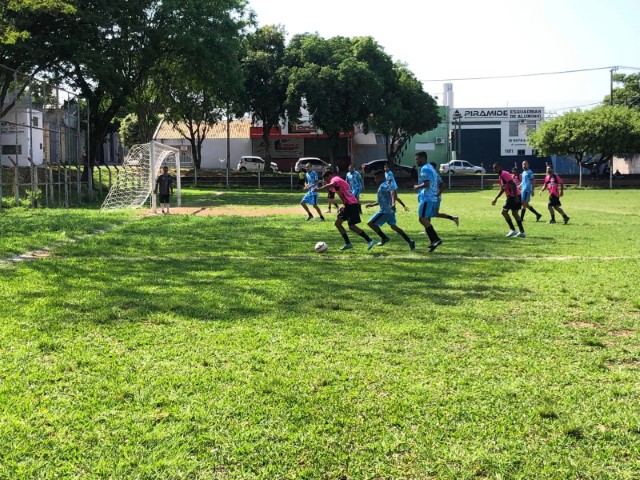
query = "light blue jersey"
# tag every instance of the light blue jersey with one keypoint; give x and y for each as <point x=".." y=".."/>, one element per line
<point x="384" y="198"/>
<point x="430" y="193"/>
<point x="527" y="181"/>
<point x="391" y="180"/>
<point x="354" y="179"/>
<point x="311" y="197"/>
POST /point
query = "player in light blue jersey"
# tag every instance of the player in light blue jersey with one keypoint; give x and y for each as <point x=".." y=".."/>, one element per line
<point x="526" y="191"/>
<point x="386" y="212"/>
<point x="391" y="180"/>
<point x="354" y="179"/>
<point x="427" y="198"/>
<point x="311" y="197"/>
<point x="440" y="189"/>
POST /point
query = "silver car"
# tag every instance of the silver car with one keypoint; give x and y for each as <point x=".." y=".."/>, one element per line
<point x="460" y="167"/>
<point x="316" y="164"/>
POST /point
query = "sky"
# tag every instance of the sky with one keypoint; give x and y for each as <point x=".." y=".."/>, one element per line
<point x="451" y="40"/>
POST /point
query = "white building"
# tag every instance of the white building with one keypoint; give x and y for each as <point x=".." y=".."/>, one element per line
<point x="21" y="137"/>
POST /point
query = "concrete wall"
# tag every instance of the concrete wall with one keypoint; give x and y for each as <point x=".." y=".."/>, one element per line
<point x="627" y="165"/>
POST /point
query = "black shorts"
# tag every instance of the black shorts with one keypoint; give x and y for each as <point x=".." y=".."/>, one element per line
<point x="331" y="195"/>
<point x="163" y="198"/>
<point x="512" y="203"/>
<point x="350" y="213"/>
<point x="554" y="201"/>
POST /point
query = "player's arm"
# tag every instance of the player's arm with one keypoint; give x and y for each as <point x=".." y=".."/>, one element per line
<point x="544" y="187"/>
<point x="424" y="184"/>
<point x="498" y="196"/>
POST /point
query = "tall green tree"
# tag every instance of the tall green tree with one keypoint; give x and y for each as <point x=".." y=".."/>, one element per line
<point x="627" y="93"/>
<point x="28" y="29"/>
<point x="405" y="110"/>
<point x="339" y="81"/>
<point x="115" y="46"/>
<point x="595" y="135"/>
<point x="203" y="81"/>
<point x="266" y="79"/>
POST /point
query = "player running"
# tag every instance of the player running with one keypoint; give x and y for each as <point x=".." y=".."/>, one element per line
<point x="386" y="212"/>
<point x="512" y="204"/>
<point x="311" y="197"/>
<point x="350" y="212"/>
<point x="427" y="198"/>
<point x="388" y="174"/>
<point x="556" y="189"/>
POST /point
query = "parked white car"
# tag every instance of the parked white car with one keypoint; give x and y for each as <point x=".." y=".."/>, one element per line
<point x="460" y="167"/>
<point x="316" y="164"/>
<point x="253" y="164"/>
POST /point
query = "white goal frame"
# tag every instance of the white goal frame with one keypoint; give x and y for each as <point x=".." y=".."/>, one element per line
<point x="136" y="182"/>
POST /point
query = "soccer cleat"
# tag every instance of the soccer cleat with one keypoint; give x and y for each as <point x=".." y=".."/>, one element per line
<point x="422" y="233"/>
<point x="310" y="217"/>
<point x="322" y="219"/>
<point x="538" y="217"/>
<point x="327" y="211"/>
<point x="521" y="235"/>
<point x="370" y="244"/>
<point x="566" y="220"/>
<point x="346" y="246"/>
<point x="512" y="233"/>
<point x="435" y="245"/>
<point x="456" y="220"/>
<point x="412" y="245"/>
<point x="553" y="220"/>
<point x="383" y="241"/>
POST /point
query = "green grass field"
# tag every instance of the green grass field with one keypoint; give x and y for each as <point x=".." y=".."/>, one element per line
<point x="224" y="347"/>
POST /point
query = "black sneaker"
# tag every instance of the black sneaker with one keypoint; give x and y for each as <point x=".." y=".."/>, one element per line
<point x="383" y="241"/>
<point x="412" y="245"/>
<point x="538" y="217"/>
<point x="322" y="219"/>
<point x="435" y="245"/>
<point x="310" y="217"/>
<point x="553" y="220"/>
<point x="566" y="220"/>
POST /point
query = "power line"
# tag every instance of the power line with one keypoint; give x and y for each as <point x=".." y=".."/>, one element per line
<point x="529" y="74"/>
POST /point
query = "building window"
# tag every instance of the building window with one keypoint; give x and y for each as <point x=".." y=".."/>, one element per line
<point x="521" y="152"/>
<point x="11" y="149"/>
<point x="531" y="125"/>
<point x="34" y="121"/>
<point x="513" y="129"/>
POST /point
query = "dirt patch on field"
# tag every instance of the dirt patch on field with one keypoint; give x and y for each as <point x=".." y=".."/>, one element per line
<point x="234" y="210"/>
<point x="584" y="324"/>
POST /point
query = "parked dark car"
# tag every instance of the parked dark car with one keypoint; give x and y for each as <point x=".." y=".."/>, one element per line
<point x="397" y="169"/>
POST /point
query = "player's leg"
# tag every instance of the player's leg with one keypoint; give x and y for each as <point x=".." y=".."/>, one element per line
<point x="319" y="212"/>
<point x="351" y="214"/>
<point x="306" y="209"/>
<point x="426" y="211"/>
<point x="512" y="229"/>
<point x="561" y="212"/>
<point x="518" y="220"/>
<point x="375" y="222"/>
<point x="403" y="234"/>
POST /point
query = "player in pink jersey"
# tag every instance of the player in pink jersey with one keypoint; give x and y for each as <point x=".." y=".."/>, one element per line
<point x="508" y="186"/>
<point x="350" y="211"/>
<point x="555" y="185"/>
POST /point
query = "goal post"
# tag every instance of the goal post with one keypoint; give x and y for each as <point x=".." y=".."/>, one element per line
<point x="136" y="181"/>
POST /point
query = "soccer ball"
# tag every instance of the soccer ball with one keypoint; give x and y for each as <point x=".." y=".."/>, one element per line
<point x="321" y="247"/>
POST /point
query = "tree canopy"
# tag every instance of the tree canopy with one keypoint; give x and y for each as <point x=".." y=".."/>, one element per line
<point x="405" y="110"/>
<point x="628" y="94"/>
<point x="339" y="81"/>
<point x="266" y="78"/>
<point x="592" y="137"/>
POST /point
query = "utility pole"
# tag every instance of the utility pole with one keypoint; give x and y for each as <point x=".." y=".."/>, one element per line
<point x="613" y="70"/>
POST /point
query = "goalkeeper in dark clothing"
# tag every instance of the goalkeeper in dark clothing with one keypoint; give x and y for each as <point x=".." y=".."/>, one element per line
<point x="164" y="183"/>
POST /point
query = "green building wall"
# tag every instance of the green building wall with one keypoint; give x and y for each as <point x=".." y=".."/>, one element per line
<point x="441" y="153"/>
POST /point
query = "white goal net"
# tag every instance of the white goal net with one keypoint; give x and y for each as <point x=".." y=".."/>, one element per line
<point x="136" y="181"/>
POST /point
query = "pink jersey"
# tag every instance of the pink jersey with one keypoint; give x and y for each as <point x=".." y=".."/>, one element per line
<point x="507" y="182"/>
<point x="342" y="188"/>
<point x="552" y="182"/>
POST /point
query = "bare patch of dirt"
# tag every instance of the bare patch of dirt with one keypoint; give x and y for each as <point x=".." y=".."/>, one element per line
<point x="233" y="210"/>
<point x="621" y="333"/>
<point x="584" y="324"/>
